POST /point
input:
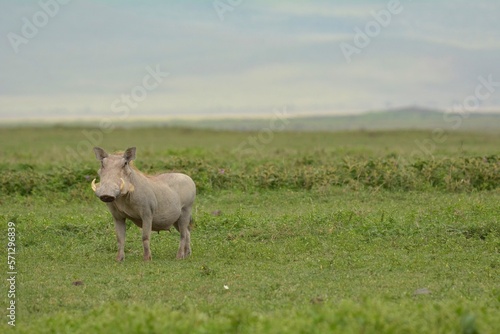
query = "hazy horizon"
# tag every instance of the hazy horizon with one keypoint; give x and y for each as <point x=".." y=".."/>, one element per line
<point x="76" y="59"/>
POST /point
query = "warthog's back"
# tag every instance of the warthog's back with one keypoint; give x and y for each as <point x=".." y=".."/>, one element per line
<point x="180" y="183"/>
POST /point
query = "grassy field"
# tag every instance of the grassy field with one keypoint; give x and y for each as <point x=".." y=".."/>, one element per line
<point x="349" y="232"/>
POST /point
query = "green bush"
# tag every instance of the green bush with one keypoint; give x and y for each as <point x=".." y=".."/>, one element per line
<point x="446" y="174"/>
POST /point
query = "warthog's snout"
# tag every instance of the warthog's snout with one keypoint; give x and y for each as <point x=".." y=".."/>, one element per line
<point x="106" y="198"/>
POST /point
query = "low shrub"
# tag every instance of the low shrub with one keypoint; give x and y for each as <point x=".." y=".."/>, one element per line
<point x="446" y="174"/>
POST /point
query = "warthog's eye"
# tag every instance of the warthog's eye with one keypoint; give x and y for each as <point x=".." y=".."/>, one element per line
<point x="125" y="163"/>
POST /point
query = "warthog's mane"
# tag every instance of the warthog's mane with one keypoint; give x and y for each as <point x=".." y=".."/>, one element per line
<point x="132" y="165"/>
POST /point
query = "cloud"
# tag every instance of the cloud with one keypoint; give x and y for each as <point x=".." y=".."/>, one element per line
<point x="263" y="55"/>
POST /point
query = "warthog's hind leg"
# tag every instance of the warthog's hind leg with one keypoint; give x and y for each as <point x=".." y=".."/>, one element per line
<point x="182" y="225"/>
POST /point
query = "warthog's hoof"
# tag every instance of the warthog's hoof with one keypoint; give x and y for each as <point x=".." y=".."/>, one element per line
<point x="183" y="255"/>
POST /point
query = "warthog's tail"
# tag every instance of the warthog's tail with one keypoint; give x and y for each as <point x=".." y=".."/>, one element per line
<point x="191" y="223"/>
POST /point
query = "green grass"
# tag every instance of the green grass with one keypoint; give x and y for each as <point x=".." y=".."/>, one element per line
<point x="350" y="256"/>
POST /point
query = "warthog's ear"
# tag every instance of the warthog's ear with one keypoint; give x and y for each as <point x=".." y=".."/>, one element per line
<point x="129" y="154"/>
<point x="100" y="153"/>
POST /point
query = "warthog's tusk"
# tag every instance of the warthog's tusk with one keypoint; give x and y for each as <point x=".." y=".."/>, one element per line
<point x="122" y="184"/>
<point x="94" y="187"/>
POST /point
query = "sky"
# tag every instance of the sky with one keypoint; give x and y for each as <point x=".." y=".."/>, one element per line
<point x="77" y="59"/>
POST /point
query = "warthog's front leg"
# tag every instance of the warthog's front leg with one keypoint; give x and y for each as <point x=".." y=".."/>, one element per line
<point x="120" y="228"/>
<point x="146" y="235"/>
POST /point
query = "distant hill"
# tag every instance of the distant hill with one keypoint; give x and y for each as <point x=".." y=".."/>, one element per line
<point x="407" y="118"/>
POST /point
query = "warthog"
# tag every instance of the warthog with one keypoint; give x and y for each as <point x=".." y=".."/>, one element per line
<point x="153" y="203"/>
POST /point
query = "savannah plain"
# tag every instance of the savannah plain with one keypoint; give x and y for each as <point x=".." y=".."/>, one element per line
<point x="297" y="232"/>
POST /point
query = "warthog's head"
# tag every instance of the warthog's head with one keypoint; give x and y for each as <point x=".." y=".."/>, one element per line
<point x="114" y="174"/>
